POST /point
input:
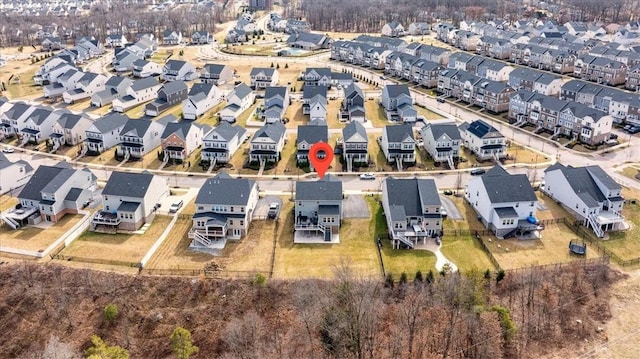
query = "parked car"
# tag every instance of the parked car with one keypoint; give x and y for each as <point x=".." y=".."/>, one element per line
<point x="176" y="206"/>
<point x="448" y="192"/>
<point x="440" y="99"/>
<point x="443" y="212"/>
<point x="274" y="209"/>
<point x="633" y="129"/>
<point x="7" y="149"/>
<point x="478" y="171"/>
<point x="368" y="176"/>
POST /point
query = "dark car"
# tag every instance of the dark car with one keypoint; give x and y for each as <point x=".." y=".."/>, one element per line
<point x="440" y="99"/>
<point x="634" y="129"/>
<point x="478" y="171"/>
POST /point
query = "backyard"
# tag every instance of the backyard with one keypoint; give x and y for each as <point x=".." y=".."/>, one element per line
<point x="37" y="239"/>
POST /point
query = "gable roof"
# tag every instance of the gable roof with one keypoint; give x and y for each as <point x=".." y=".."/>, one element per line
<point x="398" y="133"/>
<point x="503" y="187"/>
<point x="137" y="127"/>
<point x="397" y="90"/>
<point x="180" y="129"/>
<point x="214" y="68"/>
<point x="411" y="195"/>
<point x="440" y="129"/>
<point x="224" y="131"/>
<point x="128" y="184"/>
<point x="312" y="134"/>
<point x="173" y="87"/>
<point x="242" y="90"/>
<point x="175" y="65"/>
<point x="274" y="131"/>
<point x="224" y="190"/>
<point x="110" y="122"/>
<point x="266" y="70"/>
<point x="328" y="188"/>
<point x="145" y="83"/>
<point x="45" y="179"/>
<point x="582" y="182"/>
<point x="480" y="129"/>
<point x="354" y="132"/>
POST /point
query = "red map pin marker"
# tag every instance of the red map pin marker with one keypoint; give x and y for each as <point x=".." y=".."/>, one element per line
<point x="320" y="156"/>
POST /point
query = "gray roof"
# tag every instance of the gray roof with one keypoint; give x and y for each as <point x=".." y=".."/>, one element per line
<point x="439" y="129"/>
<point x="354" y="132"/>
<point x="17" y="110"/>
<point x="506" y="212"/>
<point x="40" y="114"/>
<point x="267" y="71"/>
<point x="398" y="133"/>
<point x="328" y="188"/>
<point x="110" y="122"/>
<point x="4" y="163"/>
<point x="411" y="195"/>
<point x="73" y="194"/>
<point x="242" y="90"/>
<point x="503" y="187"/>
<point x="127" y="184"/>
<point x="144" y="83"/>
<point x="175" y="65"/>
<point x="173" y="87"/>
<point x="225" y="131"/>
<point x="312" y="134"/>
<point x="274" y="131"/>
<point x="273" y="91"/>
<point x="115" y="81"/>
<point x="311" y="91"/>
<point x="214" y="68"/>
<point x="126" y="206"/>
<point x="137" y="127"/>
<point x="480" y="129"/>
<point x="224" y="190"/>
<point x="397" y="90"/>
<point x="45" y="179"/>
<point x="583" y="181"/>
<point x="181" y="129"/>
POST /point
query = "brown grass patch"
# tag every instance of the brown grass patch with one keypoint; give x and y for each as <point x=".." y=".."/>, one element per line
<point x="36" y="239"/>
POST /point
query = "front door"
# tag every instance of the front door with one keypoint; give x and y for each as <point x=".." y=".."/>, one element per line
<point x="236" y="232"/>
<point x="47" y="218"/>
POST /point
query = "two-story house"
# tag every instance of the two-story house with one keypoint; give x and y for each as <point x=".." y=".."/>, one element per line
<point x="318" y="209"/>
<point x="139" y="92"/>
<point x="221" y="143"/>
<point x="14" y="117"/>
<point x="412" y="209"/>
<point x="267" y="143"/>
<point x="352" y="107"/>
<point x="355" y="145"/>
<point x="104" y="133"/>
<point x="442" y="142"/>
<point x="13" y="174"/>
<point x="398" y="144"/>
<point x="171" y="37"/>
<point x="181" y="139"/>
<point x="115" y="40"/>
<point x="139" y="137"/>
<point x="37" y="127"/>
<point x="314" y="102"/>
<point x="201" y="38"/>
<point x="178" y="70"/>
<point x="144" y="68"/>
<point x="224" y="208"/>
<point x="484" y="140"/>
<point x="589" y="194"/>
<point x="398" y="103"/>
<point x="317" y="76"/>
<point x="87" y="85"/>
<point x="114" y="87"/>
<point x="263" y="77"/>
<point x="276" y="102"/>
<point x="129" y="200"/>
<point x="238" y="101"/>
<point x="52" y="192"/>
<point x="506" y="204"/>
<point x="632" y="82"/>
<point x="217" y="74"/>
<point x="393" y="29"/>
<point x="308" y="135"/>
<point x="69" y="130"/>
<point x="170" y="94"/>
<point x="202" y="97"/>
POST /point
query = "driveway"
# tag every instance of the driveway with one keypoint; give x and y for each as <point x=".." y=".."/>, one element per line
<point x="262" y="207"/>
<point x="452" y="211"/>
<point x="354" y="206"/>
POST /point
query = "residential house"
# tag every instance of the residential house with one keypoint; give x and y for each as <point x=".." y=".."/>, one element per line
<point x="50" y="193"/>
<point x="236" y="35"/>
<point x="493" y="70"/>
<point x="600" y="70"/>
<point x="171" y="37"/>
<point x="129" y="200"/>
<point x="466" y="40"/>
<point x="13" y="174"/>
<point x="245" y="25"/>
<point x="178" y="70"/>
<point x="217" y="74"/>
<point x="14" y="118"/>
<point x="632" y="82"/>
<point x="139" y="92"/>
<point x="202" y="97"/>
<point x="144" y="68"/>
<point x="442" y="142"/>
<point x="314" y="102"/>
<point x="238" y="101"/>
<point x="494" y="96"/>
<point x="114" y="87"/>
<point x="267" y="143"/>
<point x="398" y="144"/>
<point x="483" y="140"/>
<point x="263" y="77"/>
<point x="69" y="130"/>
<point x="104" y="133"/>
<point x="398" y="103"/>
<point x="115" y="40"/>
<point x="276" y="101"/>
<point x="170" y="94"/>
<point x="426" y="72"/>
<point x="341" y="79"/>
<point x="202" y="38"/>
<point x="419" y="28"/>
<point x="224" y="209"/>
<point x="308" y="135"/>
<point x="221" y="143"/>
<point x="89" y="84"/>
<point x="494" y="47"/>
<point x="355" y="145"/>
<point x="308" y="41"/>
<point x="318" y="208"/>
<point x="180" y="139"/>
<point x="38" y="126"/>
<point x="589" y="194"/>
<point x="412" y="209"/>
<point x="139" y="137"/>
<point x="64" y="82"/>
<point x="317" y="76"/>
<point x="352" y="107"/>
<point x="123" y="60"/>
<point x="393" y="29"/>
<point x="51" y="44"/>
<point x="506" y="204"/>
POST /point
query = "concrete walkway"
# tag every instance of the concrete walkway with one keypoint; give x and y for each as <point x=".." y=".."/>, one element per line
<point x="441" y="260"/>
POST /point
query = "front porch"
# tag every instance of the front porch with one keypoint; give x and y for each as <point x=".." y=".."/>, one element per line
<point x="175" y="153"/>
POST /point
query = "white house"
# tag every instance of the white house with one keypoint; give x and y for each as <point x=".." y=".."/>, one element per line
<point x="116" y="86"/>
<point x="238" y="101"/>
<point x="144" y="68"/>
<point x="38" y="126"/>
<point x="355" y="144"/>
<point x="267" y="143"/>
<point x="318" y="209"/>
<point x="398" y="144"/>
<point x="14" y="118"/>
<point x="178" y="70"/>
<point x="398" y="103"/>
<point x="276" y="102"/>
<point x="69" y="130"/>
<point x="139" y="92"/>
<point x="13" y="174"/>
<point x="505" y="203"/>
<point x="393" y="29"/>
<point x="589" y="194"/>
<point x="262" y="77"/>
<point x="221" y="142"/>
<point x="115" y="40"/>
<point x="104" y="133"/>
<point x="442" y="142"/>
<point x="484" y="140"/>
<point x="224" y="209"/>
<point x="202" y="97"/>
<point x="308" y="135"/>
<point x="129" y="200"/>
<point x="139" y="137"/>
<point x="87" y="85"/>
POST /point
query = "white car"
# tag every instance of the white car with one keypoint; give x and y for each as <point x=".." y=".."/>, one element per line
<point x="8" y="150"/>
<point x="368" y="176"/>
<point x="176" y="206"/>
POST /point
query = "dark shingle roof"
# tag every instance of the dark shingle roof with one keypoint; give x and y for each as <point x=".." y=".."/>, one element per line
<point x="224" y="190"/>
<point x="329" y="188"/>
<point x="398" y="133"/>
<point x="312" y="134"/>
<point x="480" y="129"/>
<point x="503" y="187"/>
<point x="274" y="131"/>
<point x="354" y="131"/>
<point x="439" y="129"/>
<point x="397" y="90"/>
<point x="225" y="131"/>
<point x="582" y="181"/>
<point x="127" y="184"/>
<point x="47" y="179"/>
<point x="110" y="122"/>
<point x="136" y="127"/>
<point x="181" y="129"/>
<point x="144" y="83"/>
<point x="412" y="194"/>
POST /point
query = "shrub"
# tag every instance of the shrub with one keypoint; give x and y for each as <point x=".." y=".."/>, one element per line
<point x="500" y="275"/>
<point x="418" y="277"/>
<point x="388" y="281"/>
<point x="259" y="280"/>
<point x="110" y="312"/>
<point x="403" y="278"/>
<point x="181" y="343"/>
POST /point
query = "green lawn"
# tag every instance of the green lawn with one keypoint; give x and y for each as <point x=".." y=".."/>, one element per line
<point x="466" y="253"/>
<point x="374" y="112"/>
<point x="626" y="244"/>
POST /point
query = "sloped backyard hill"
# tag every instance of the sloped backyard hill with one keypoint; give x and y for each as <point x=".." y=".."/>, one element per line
<point x="230" y="319"/>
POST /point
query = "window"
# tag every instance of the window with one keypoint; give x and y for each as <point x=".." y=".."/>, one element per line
<point x="517" y="205"/>
<point x="200" y="208"/>
<point x="532" y="204"/>
<point x="231" y="222"/>
<point x="242" y="222"/>
<point x="107" y="208"/>
<point x="231" y="209"/>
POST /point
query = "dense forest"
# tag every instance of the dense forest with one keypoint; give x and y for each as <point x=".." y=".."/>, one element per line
<point x="524" y="314"/>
